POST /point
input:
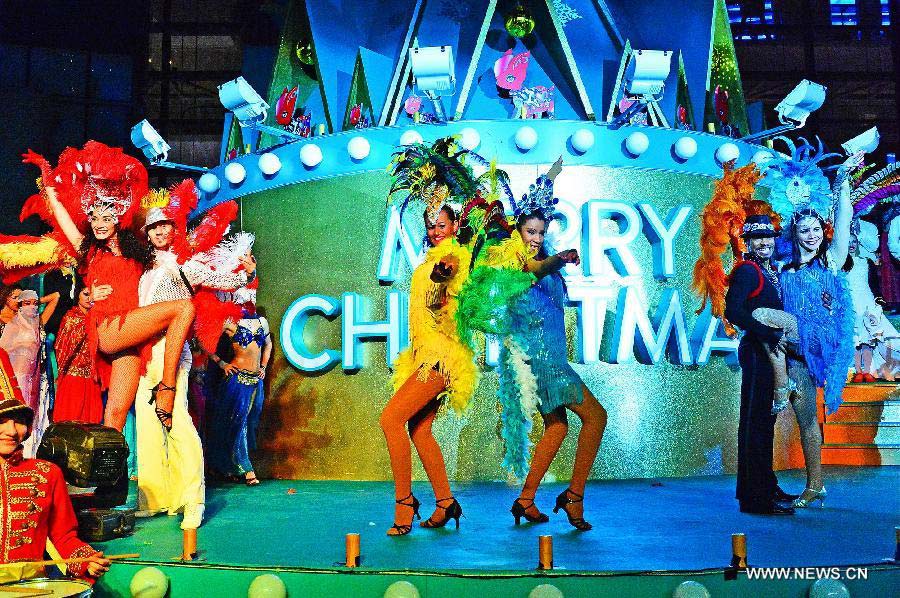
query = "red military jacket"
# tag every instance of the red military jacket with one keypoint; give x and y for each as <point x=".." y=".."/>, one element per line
<point x="35" y="506"/>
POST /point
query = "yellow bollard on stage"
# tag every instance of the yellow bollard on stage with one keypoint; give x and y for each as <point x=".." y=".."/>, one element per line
<point x="189" y="545"/>
<point x="353" y="550"/>
<point x="739" y="551"/>
<point x="545" y="552"/>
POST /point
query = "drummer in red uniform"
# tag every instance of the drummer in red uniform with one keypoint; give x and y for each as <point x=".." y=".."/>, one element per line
<point x="34" y="503"/>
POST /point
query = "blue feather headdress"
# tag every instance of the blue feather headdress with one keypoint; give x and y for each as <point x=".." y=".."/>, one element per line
<point x="798" y="183"/>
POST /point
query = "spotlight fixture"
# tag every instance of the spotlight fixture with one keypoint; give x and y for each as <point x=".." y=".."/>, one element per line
<point x="249" y="108"/>
<point x="147" y="139"/>
<point x="644" y="81"/>
<point x="794" y="109"/>
<point x="866" y="142"/>
<point x="434" y="72"/>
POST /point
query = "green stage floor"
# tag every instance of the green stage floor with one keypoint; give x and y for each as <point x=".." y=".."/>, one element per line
<point x="668" y="525"/>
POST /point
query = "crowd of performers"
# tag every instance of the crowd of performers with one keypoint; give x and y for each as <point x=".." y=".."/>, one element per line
<point x="149" y="284"/>
<point x="801" y="318"/>
<point x="155" y="301"/>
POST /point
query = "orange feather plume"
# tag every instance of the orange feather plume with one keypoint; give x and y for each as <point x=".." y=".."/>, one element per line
<point x="722" y="219"/>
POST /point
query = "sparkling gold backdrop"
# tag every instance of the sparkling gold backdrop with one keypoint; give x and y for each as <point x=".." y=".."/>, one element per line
<point x="324" y="237"/>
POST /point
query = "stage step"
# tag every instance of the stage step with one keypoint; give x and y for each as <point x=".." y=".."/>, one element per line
<point x="875" y="434"/>
<point x="867" y="411"/>
<point x="869" y="391"/>
<point x="860" y="454"/>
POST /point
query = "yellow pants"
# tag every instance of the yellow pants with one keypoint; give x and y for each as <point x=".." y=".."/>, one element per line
<point x="170" y="466"/>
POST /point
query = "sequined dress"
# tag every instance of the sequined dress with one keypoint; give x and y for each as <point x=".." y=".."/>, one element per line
<point x="557" y="382"/>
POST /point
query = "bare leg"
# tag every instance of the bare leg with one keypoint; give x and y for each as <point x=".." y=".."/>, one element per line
<point x="144" y="323"/>
<point x="782" y="380"/>
<point x="411" y="397"/>
<point x="430" y="454"/>
<point x="123" y="384"/>
<point x="593" y="423"/>
<point x="807" y="420"/>
<point x="555" y="428"/>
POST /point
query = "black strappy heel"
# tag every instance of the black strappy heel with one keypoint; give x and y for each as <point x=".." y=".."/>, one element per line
<point x="562" y="501"/>
<point x="402" y="530"/>
<point x="520" y="510"/>
<point x="451" y="511"/>
<point x="162" y="415"/>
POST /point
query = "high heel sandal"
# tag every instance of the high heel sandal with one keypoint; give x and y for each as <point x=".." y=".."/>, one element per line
<point x="254" y="481"/>
<point x="451" y="511"/>
<point x="802" y="503"/>
<point x="783" y="397"/>
<point x="402" y="530"/>
<point x="161" y="414"/>
<point x="519" y="510"/>
<point x="562" y="502"/>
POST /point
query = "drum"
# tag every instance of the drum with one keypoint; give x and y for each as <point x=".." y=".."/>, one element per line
<point x="51" y="588"/>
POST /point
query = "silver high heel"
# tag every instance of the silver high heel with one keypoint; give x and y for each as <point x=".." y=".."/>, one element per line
<point x="783" y="396"/>
<point x="802" y="503"/>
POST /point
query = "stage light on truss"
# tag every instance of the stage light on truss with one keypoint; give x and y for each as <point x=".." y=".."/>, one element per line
<point x="644" y="81"/>
<point x="249" y="108"/>
<point x="434" y="73"/>
<point x="866" y="142"/>
<point x="794" y="109"/>
<point x="647" y="73"/>
<point x="147" y="139"/>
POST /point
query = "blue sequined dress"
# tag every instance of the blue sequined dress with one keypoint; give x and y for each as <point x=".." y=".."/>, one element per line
<point x="558" y="384"/>
<point x="819" y="297"/>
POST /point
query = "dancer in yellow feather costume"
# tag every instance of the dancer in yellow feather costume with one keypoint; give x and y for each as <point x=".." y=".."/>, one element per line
<point x="437" y="368"/>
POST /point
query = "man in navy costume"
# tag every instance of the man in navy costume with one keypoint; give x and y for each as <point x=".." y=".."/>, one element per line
<point x="754" y="284"/>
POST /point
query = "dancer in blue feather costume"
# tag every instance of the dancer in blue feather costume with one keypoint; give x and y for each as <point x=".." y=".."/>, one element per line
<point x="516" y="291"/>
<point x="816" y="292"/>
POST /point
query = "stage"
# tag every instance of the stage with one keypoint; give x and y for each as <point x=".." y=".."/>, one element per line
<point x="649" y="535"/>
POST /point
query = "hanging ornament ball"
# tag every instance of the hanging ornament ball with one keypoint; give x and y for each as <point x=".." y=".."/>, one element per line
<point x="582" y="140"/>
<point x="761" y="157"/>
<point x="526" y="138"/>
<point x="637" y="143"/>
<point x="727" y="152"/>
<point x="828" y="588"/>
<point x="304" y="52"/>
<point x="269" y="163"/>
<point x="685" y="148"/>
<point x="209" y="183"/>
<point x="235" y="173"/>
<point x="410" y="137"/>
<point x="545" y="590"/>
<point x="267" y="586"/>
<point x="690" y="589"/>
<point x="401" y="589"/>
<point x="358" y="148"/>
<point x="469" y="138"/>
<point x="519" y="22"/>
<point x="149" y="582"/>
<point x="311" y="155"/>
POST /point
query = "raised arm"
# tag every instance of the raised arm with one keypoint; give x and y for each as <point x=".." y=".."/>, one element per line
<point x="843" y="212"/>
<point x="843" y="215"/>
<point x="50" y="302"/>
<point x="66" y="224"/>
<point x="554" y="263"/>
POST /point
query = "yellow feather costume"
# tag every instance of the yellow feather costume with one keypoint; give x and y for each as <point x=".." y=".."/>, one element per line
<point x="434" y="340"/>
